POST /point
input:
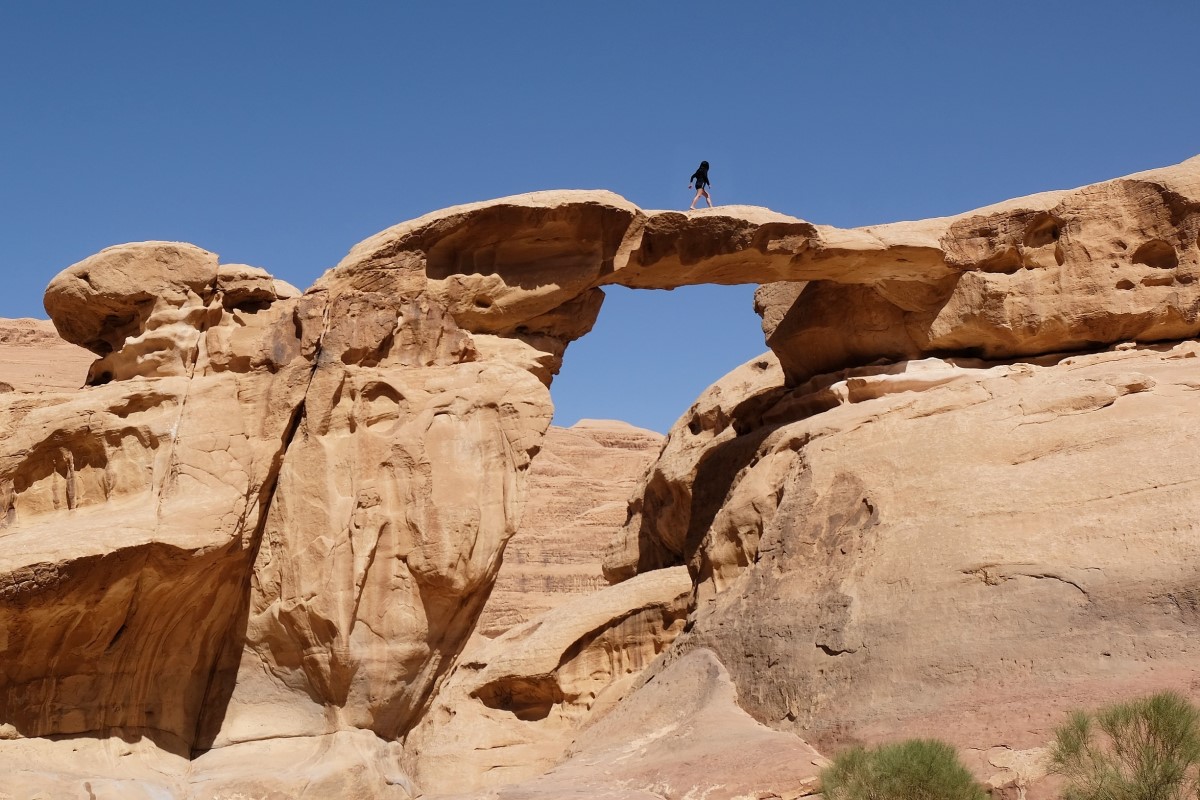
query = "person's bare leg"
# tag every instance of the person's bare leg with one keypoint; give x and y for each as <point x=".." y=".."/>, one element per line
<point x="694" y="199"/>
<point x="708" y="197"/>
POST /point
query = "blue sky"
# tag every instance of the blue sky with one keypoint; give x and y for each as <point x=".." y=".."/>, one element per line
<point x="281" y="133"/>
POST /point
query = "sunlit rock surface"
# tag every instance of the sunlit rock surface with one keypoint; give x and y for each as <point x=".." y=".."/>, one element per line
<point x="579" y="487"/>
<point x="958" y="549"/>
<point x="954" y="499"/>
<point x="33" y="358"/>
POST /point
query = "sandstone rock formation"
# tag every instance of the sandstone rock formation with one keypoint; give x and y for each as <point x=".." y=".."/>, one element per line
<point x="681" y="736"/>
<point x="510" y="709"/>
<point x="579" y="485"/>
<point x="33" y="358"/>
<point x="131" y="509"/>
<point x="964" y="550"/>
<point x="270" y="522"/>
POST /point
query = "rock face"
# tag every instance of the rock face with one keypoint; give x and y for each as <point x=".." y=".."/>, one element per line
<point x="511" y="708"/>
<point x="131" y="510"/>
<point x="1117" y="261"/>
<point x="579" y="486"/>
<point x="34" y="359"/>
<point x="962" y="550"/>
<point x="270" y="522"/>
<point x="682" y="735"/>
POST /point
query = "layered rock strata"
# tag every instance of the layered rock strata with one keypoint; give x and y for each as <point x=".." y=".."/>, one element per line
<point x="277" y="516"/>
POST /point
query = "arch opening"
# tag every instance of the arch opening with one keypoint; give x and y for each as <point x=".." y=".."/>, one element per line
<point x="653" y="351"/>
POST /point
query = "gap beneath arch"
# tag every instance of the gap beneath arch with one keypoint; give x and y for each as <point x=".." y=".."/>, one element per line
<point x="652" y="352"/>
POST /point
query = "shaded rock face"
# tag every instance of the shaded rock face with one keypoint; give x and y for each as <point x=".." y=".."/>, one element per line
<point x="275" y="516"/>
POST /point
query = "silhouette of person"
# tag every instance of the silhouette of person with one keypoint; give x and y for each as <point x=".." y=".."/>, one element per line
<point x="700" y="178"/>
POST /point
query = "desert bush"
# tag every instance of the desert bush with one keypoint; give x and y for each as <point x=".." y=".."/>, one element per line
<point x="1145" y="749"/>
<point x="917" y="769"/>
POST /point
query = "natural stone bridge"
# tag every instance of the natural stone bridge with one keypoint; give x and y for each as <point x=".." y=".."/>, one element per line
<point x="277" y="514"/>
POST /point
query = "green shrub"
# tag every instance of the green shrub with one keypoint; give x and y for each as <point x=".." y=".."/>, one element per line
<point x="1147" y="749"/>
<point x="917" y="769"/>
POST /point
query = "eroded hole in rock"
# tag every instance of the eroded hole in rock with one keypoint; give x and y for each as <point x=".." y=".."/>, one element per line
<point x="117" y="636"/>
<point x="252" y="306"/>
<point x="1158" y="254"/>
<point x="527" y="698"/>
<point x="1125" y="284"/>
<point x="380" y="404"/>
<point x="1006" y="262"/>
<point x="1043" y="230"/>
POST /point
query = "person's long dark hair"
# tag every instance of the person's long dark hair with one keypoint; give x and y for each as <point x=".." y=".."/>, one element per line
<point x="703" y="165"/>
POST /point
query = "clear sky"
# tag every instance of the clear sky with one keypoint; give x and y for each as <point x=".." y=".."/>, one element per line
<point x="281" y="133"/>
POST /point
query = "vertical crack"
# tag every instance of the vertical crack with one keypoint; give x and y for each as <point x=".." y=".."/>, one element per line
<point x="196" y="355"/>
<point x="217" y="693"/>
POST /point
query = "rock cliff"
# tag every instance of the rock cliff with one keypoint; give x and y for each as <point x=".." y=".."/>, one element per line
<point x="954" y="498"/>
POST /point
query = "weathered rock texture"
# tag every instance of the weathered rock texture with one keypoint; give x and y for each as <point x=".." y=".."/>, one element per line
<point x="682" y="736"/>
<point x="132" y="510"/>
<point x="510" y="709"/>
<point x="961" y="550"/>
<point x="579" y="487"/>
<point x="274" y="517"/>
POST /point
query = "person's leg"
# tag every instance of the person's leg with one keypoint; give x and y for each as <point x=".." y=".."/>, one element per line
<point x="694" y="199"/>
<point x="707" y="196"/>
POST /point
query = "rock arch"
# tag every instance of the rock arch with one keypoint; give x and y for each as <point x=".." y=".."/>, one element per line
<point x="318" y="486"/>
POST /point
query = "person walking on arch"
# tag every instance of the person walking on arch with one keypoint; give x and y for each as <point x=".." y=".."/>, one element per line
<point x="700" y="178"/>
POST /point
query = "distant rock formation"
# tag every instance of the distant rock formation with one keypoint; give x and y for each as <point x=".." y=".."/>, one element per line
<point x="33" y="358"/>
<point x="252" y="550"/>
<point x="579" y="486"/>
